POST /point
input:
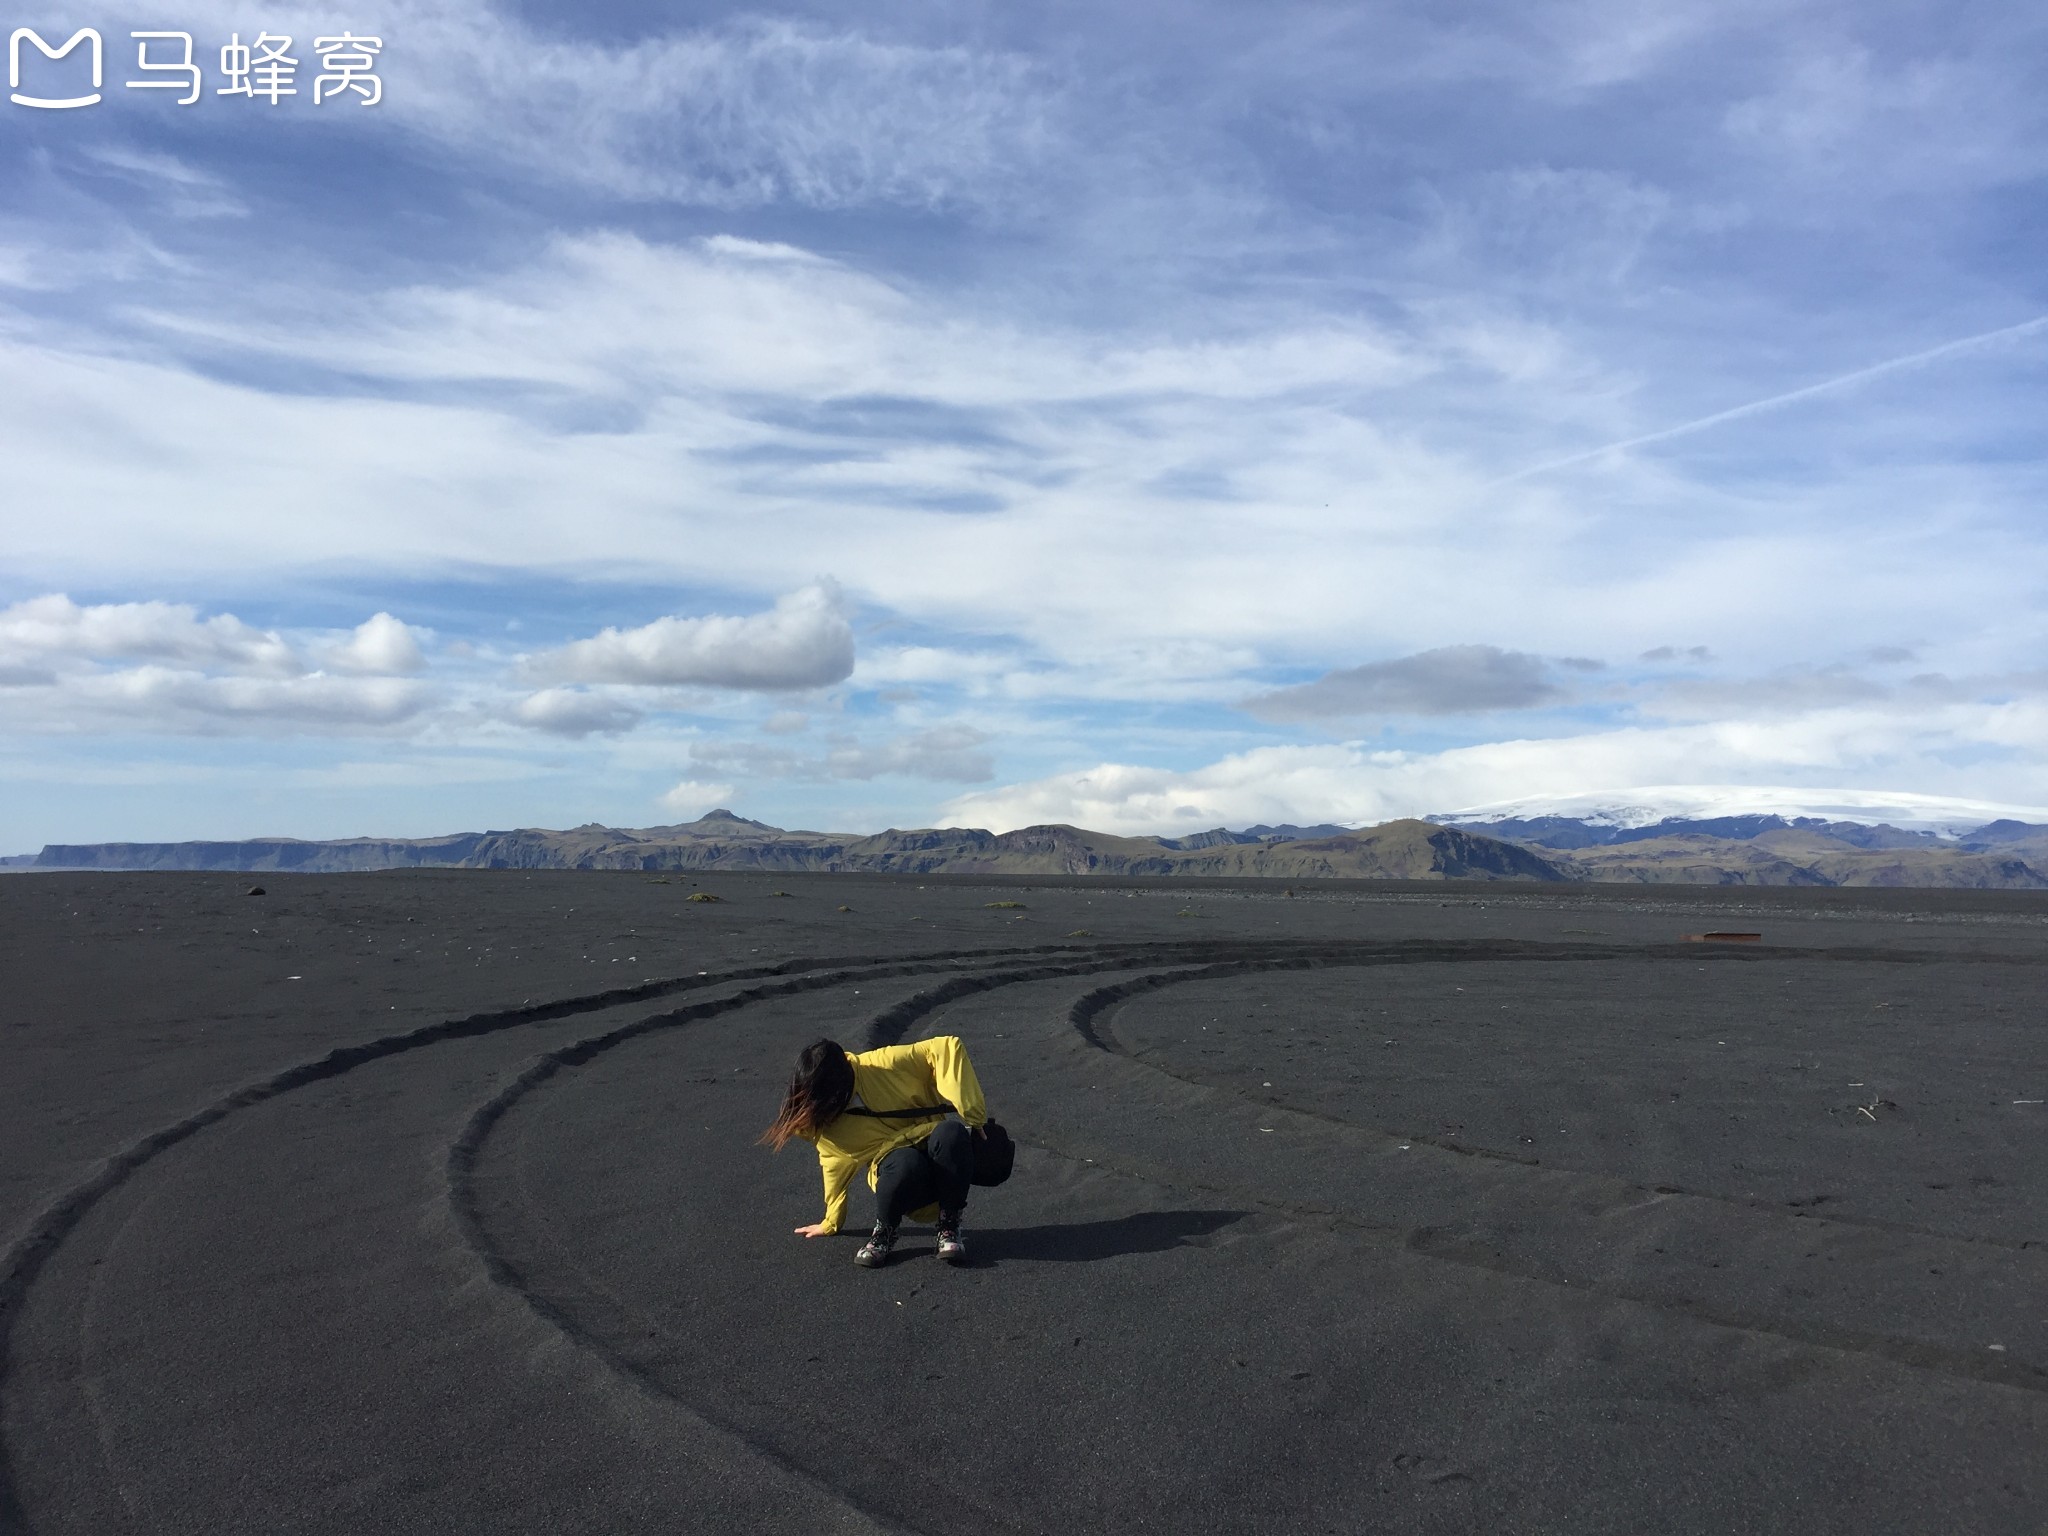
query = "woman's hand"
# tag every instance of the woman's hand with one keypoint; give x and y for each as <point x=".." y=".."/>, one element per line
<point x="815" y="1229"/>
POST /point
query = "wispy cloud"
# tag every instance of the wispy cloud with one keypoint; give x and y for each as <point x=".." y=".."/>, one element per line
<point x="749" y="112"/>
<point x="185" y="190"/>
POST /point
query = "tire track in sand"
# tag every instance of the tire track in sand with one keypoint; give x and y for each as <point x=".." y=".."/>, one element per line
<point x="1579" y="1203"/>
<point x="29" y="1255"/>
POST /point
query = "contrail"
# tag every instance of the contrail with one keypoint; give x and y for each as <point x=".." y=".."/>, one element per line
<point x="1874" y="370"/>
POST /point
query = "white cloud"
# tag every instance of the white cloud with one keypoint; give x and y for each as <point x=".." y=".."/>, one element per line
<point x="609" y="311"/>
<point x="758" y="111"/>
<point x="573" y="712"/>
<point x="381" y="645"/>
<point x="70" y="668"/>
<point x="1270" y="784"/>
<point x="956" y="752"/>
<point x="812" y="406"/>
<point x="168" y="700"/>
<point x="757" y="250"/>
<point x="53" y="631"/>
<point x="1979" y="751"/>
<point x="803" y="642"/>
<point x="691" y="798"/>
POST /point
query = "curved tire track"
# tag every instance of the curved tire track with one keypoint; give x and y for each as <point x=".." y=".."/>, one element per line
<point x="27" y="1257"/>
<point x="1090" y="1017"/>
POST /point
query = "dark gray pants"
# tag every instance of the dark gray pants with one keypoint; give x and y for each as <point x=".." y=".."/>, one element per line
<point x="937" y="1168"/>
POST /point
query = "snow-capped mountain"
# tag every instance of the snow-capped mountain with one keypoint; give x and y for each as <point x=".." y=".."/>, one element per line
<point x="1944" y="816"/>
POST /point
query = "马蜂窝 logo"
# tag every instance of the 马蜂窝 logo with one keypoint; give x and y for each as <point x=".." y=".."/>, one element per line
<point x="345" y="65"/>
<point x="22" y="35"/>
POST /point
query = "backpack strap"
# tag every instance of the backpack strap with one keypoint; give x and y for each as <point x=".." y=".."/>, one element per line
<point x="922" y="1112"/>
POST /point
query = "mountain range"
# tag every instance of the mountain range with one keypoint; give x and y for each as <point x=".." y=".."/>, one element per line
<point x="1400" y="850"/>
<point x="1771" y="849"/>
<point x="1719" y="850"/>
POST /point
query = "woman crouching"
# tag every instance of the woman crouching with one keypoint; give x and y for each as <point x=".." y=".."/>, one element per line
<point x="888" y="1111"/>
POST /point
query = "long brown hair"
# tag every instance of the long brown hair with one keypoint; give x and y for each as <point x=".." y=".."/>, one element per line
<point x="818" y="1094"/>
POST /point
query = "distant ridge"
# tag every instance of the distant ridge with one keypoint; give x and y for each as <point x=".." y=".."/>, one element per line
<point x="1752" y="849"/>
<point x="1769" y="849"/>
<point x="1572" y="832"/>
<point x="1654" y="804"/>
<point x="1399" y="850"/>
<point x="1217" y="836"/>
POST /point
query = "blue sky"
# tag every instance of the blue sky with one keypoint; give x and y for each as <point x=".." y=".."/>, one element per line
<point x="1149" y="416"/>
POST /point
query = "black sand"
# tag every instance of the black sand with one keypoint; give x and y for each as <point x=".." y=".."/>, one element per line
<point x="1378" y="1208"/>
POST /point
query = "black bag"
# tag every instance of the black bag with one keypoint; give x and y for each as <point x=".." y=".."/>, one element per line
<point x="994" y="1153"/>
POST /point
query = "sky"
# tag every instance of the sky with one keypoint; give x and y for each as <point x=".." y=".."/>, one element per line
<point x="1150" y="416"/>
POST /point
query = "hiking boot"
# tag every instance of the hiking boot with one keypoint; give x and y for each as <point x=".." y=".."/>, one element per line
<point x="952" y="1248"/>
<point x="874" y="1253"/>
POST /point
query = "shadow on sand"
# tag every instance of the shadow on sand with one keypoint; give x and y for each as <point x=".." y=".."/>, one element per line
<point x="1083" y="1241"/>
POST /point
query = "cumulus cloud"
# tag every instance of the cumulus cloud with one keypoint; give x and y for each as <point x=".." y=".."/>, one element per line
<point x="1673" y="653"/>
<point x="157" y="667"/>
<point x="691" y="798"/>
<point x="573" y="712"/>
<point x="803" y="642"/>
<point x="53" y="631"/>
<point x="166" y="699"/>
<point x="381" y="645"/>
<point x="1451" y="680"/>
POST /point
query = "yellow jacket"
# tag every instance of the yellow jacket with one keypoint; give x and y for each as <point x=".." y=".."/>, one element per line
<point x="925" y="1072"/>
